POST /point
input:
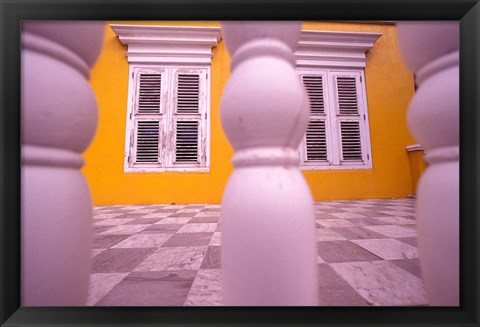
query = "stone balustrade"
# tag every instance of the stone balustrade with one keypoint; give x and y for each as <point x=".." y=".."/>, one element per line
<point x="431" y="50"/>
<point x="268" y="226"/>
<point x="59" y="118"/>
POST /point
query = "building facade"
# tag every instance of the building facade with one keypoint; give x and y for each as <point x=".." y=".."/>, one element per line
<point x="159" y="138"/>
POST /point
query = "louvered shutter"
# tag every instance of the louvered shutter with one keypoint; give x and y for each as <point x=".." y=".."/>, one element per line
<point x="147" y="141"/>
<point x="189" y="117"/>
<point x="349" y="117"/>
<point x="315" y="143"/>
<point x="149" y="93"/>
<point x="148" y="116"/>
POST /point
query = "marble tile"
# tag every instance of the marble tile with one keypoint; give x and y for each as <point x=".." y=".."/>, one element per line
<point x="212" y="219"/>
<point x="382" y="283"/>
<point x="174" y="220"/>
<point x="188" y="239"/>
<point x="174" y="258"/>
<point x="333" y="290"/>
<point x="96" y="251"/>
<point x="106" y="215"/>
<point x="392" y="220"/>
<point x="322" y="215"/>
<point x="399" y="213"/>
<point x="355" y="233"/>
<point x="347" y="215"/>
<point x="329" y="210"/>
<point x="393" y="231"/>
<point x="157" y="215"/>
<point x="212" y="259"/>
<point x="320" y="260"/>
<point x="106" y="241"/>
<point x="408" y="240"/>
<point x="197" y="206"/>
<point x="364" y="221"/>
<point x="145" y="210"/>
<point x="326" y="234"/>
<point x="340" y="251"/>
<point x="175" y="206"/>
<point x="216" y="239"/>
<point x="162" y="228"/>
<point x="132" y="214"/>
<point x="157" y="288"/>
<point x="143" y="221"/>
<point x="182" y="214"/>
<point x="213" y="206"/>
<point x="143" y="241"/>
<point x="119" y="260"/>
<point x="329" y="223"/>
<point x="388" y="249"/>
<point x="99" y="229"/>
<point x="112" y="222"/>
<point x="125" y="230"/>
<point x="410" y="265"/>
<point x="101" y="284"/>
<point x="189" y="209"/>
<point x="208" y="214"/>
<point x="206" y="289"/>
<point x="198" y="228"/>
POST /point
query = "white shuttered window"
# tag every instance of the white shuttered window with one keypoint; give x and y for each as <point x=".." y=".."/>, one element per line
<point x="167" y="125"/>
<point x="337" y="135"/>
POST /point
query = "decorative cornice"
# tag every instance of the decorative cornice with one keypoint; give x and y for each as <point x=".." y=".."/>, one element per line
<point x="334" y="49"/>
<point x="168" y="44"/>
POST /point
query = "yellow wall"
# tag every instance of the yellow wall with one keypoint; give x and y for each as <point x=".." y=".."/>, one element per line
<point x="389" y="87"/>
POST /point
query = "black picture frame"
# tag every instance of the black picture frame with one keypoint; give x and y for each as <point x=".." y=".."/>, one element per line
<point x="13" y="12"/>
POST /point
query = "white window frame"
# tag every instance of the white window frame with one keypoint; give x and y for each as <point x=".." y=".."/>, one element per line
<point x="167" y="121"/>
<point x="332" y="123"/>
<point x="171" y="48"/>
<point x="333" y="53"/>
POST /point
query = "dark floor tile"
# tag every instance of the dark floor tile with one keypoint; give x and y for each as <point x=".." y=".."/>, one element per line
<point x="364" y="221"/>
<point x="142" y="221"/>
<point x="165" y="210"/>
<point x="343" y="251"/>
<point x="132" y="215"/>
<point x="188" y="239"/>
<point x="204" y="220"/>
<point x="156" y="288"/>
<point x="101" y="228"/>
<point x="106" y="241"/>
<point x="212" y="258"/>
<point x="182" y="214"/>
<point x="323" y="215"/>
<point x="162" y="229"/>
<point x="410" y="265"/>
<point x="408" y="240"/>
<point x="329" y="210"/>
<point x="119" y="260"/>
<point x="333" y="290"/>
<point x="212" y="210"/>
<point x="357" y="233"/>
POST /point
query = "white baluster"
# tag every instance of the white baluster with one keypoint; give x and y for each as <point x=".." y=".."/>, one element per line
<point x="431" y="50"/>
<point x="58" y="117"/>
<point x="268" y="226"/>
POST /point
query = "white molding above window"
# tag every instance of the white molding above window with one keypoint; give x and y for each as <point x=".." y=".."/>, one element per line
<point x="168" y="44"/>
<point x="334" y="49"/>
<point x="168" y="108"/>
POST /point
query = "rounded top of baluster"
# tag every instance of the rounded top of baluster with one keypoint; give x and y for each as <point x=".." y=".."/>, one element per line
<point x="423" y="42"/>
<point x="237" y="33"/>
<point x="83" y="38"/>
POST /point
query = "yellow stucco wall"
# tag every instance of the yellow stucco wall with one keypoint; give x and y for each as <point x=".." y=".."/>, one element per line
<point x="389" y="88"/>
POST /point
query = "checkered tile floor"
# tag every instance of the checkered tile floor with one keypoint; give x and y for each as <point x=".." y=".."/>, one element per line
<point x="169" y="255"/>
